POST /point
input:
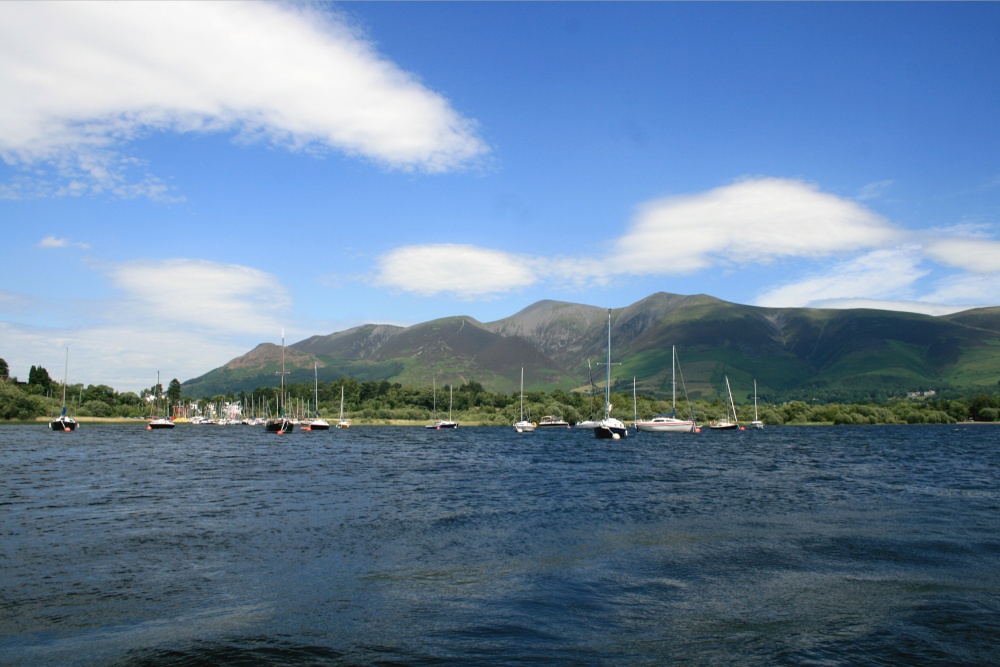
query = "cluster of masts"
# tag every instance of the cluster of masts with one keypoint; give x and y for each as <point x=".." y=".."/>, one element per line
<point x="608" y="427"/>
<point x="613" y="428"/>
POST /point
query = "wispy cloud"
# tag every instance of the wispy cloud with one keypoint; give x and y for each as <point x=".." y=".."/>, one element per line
<point x="755" y="221"/>
<point x="462" y="270"/>
<point x="179" y="316"/>
<point x="856" y="257"/>
<point x="750" y="222"/>
<point x="81" y="79"/>
<point x="874" y="190"/>
<point x="878" y="275"/>
<point x="197" y="293"/>
<point x="972" y="254"/>
<point x="53" y="242"/>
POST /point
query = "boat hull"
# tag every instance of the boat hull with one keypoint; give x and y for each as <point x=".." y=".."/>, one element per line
<point x="671" y="426"/>
<point x="279" y="426"/>
<point x="524" y="427"/>
<point x="438" y="426"/>
<point x="63" y="424"/>
<point x="724" y="426"/>
<point x="612" y="429"/>
<point x="319" y="425"/>
<point x="159" y="424"/>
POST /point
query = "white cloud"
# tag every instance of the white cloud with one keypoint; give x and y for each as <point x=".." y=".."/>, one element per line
<point x="179" y="316"/>
<point x="859" y="259"/>
<point x="874" y="190"/>
<point x="753" y="221"/>
<point x="972" y="254"/>
<point x="972" y="290"/>
<point x="80" y="79"/>
<point x="462" y="270"/>
<point x="198" y="293"/>
<point x="880" y="274"/>
<point x="124" y="356"/>
<point x="53" y="242"/>
<point x="897" y="305"/>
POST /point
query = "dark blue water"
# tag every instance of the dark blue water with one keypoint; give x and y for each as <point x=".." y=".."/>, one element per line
<point x="400" y="546"/>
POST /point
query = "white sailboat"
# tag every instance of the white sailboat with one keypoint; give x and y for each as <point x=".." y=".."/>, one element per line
<point x="442" y="423"/>
<point x="727" y="424"/>
<point x="343" y="423"/>
<point x="280" y="424"/>
<point x="159" y="423"/>
<point x="64" y="422"/>
<point x="523" y="425"/>
<point x="756" y="423"/>
<point x="670" y="423"/>
<point x="609" y="427"/>
<point x="317" y="424"/>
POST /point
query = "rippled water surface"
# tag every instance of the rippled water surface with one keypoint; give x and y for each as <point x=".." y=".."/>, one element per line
<point x="402" y="546"/>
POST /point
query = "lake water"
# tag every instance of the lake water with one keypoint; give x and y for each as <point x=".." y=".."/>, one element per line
<point x="401" y="546"/>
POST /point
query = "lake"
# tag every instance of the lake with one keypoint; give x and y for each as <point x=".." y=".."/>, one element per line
<point x="479" y="546"/>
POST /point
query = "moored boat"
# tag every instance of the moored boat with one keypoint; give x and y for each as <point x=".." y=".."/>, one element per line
<point x="670" y="423"/>
<point x="523" y="425"/>
<point x="730" y="422"/>
<point x="64" y="422"/>
<point x="440" y="424"/>
<point x="280" y="424"/>
<point x="609" y="427"/>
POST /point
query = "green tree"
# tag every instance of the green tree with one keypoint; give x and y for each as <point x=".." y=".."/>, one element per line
<point x="39" y="377"/>
<point x="4" y="370"/>
<point x="174" y="392"/>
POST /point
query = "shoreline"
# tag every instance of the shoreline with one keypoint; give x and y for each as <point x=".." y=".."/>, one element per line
<point x="421" y="423"/>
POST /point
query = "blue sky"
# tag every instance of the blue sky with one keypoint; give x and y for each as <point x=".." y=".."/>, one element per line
<point x="182" y="181"/>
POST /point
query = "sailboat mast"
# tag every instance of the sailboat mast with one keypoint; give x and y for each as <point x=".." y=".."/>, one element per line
<point x="522" y="393"/>
<point x="281" y="407"/>
<point x="607" y="381"/>
<point x="635" y="405"/>
<point x="731" y="403"/>
<point x="66" y="379"/>
<point x="673" y="379"/>
<point x="755" y="400"/>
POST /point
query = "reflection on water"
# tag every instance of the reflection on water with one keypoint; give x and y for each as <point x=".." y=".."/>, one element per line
<point x="207" y="545"/>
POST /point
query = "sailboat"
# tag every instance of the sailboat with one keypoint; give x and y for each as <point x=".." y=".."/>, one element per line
<point x="442" y="423"/>
<point x="609" y="427"/>
<point x="756" y="423"/>
<point x="64" y="422"/>
<point x="669" y="423"/>
<point x="725" y="424"/>
<point x="317" y="424"/>
<point x="280" y="424"/>
<point x="343" y="423"/>
<point x="523" y="426"/>
<point x="159" y="423"/>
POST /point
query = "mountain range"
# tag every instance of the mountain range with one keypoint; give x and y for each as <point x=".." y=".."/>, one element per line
<point x="789" y="352"/>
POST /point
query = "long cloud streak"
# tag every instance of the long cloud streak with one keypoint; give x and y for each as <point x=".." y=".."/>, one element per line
<point x="752" y="222"/>
<point x="81" y="78"/>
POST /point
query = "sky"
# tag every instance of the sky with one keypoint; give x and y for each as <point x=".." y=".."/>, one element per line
<point x="180" y="182"/>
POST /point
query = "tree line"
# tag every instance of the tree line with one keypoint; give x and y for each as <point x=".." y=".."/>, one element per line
<point x="382" y="401"/>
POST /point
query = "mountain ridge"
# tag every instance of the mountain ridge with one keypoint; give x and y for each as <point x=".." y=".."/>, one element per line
<point x="788" y="351"/>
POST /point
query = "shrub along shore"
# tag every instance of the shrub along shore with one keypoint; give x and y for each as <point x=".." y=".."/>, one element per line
<point x="385" y="403"/>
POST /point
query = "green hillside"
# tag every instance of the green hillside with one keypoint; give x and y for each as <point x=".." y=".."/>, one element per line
<point x="792" y="353"/>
